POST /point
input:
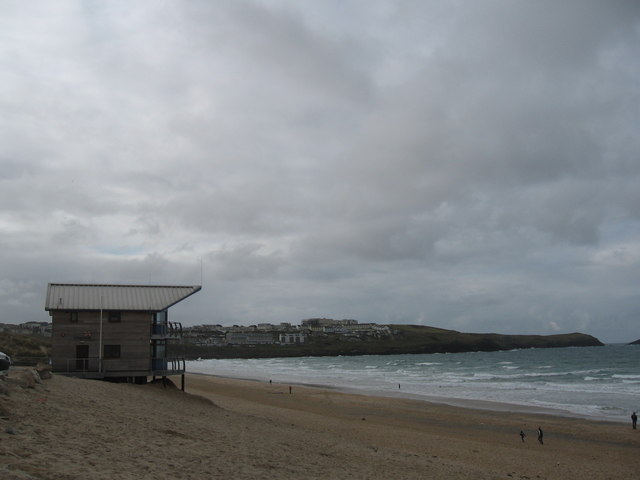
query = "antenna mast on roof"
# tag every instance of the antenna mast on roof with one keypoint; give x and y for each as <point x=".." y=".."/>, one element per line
<point x="100" y="341"/>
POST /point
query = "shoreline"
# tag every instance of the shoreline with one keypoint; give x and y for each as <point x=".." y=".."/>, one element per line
<point x="471" y="404"/>
<point x="486" y="439"/>
<point x="591" y="384"/>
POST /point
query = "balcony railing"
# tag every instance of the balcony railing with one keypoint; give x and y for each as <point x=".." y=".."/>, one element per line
<point x="166" y="330"/>
<point x="168" y="366"/>
<point x="120" y="366"/>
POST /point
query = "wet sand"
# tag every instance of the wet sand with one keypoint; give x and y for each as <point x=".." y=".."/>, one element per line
<point x="68" y="428"/>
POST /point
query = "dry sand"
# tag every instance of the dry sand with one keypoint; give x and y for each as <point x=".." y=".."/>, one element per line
<point x="67" y="428"/>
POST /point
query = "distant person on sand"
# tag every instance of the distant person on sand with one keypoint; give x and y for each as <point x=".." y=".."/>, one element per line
<point x="522" y="435"/>
<point x="289" y="389"/>
<point x="634" y="420"/>
<point x="540" y="435"/>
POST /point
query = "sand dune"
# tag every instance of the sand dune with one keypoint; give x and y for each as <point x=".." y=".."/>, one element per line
<point x="67" y="428"/>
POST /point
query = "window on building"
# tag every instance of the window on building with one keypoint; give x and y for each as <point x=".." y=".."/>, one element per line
<point x="73" y="317"/>
<point x="160" y="317"/>
<point x="112" y="351"/>
<point x="114" y="317"/>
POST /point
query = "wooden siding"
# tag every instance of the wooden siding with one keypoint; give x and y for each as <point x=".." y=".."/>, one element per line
<point x="132" y="333"/>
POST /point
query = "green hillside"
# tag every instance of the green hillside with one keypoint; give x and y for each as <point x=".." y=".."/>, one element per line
<point x="403" y="339"/>
<point x="25" y="349"/>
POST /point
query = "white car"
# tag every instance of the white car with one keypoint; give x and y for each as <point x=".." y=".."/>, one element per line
<point x="5" y="361"/>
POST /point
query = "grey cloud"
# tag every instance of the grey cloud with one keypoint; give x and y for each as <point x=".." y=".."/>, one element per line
<point x="469" y="166"/>
<point x="245" y="261"/>
<point x="544" y="35"/>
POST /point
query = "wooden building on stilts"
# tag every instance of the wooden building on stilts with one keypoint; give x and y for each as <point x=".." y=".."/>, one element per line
<point x="116" y="332"/>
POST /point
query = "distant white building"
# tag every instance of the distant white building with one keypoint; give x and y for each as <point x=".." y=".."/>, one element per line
<point x="292" y="338"/>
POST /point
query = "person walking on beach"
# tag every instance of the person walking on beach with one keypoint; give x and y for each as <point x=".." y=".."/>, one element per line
<point x="522" y="435"/>
<point x="634" y="420"/>
<point x="540" y="435"/>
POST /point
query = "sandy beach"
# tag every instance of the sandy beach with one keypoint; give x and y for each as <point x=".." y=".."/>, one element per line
<point x="66" y="428"/>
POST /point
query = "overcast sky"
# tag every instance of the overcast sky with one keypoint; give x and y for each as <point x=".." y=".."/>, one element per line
<point x="472" y="165"/>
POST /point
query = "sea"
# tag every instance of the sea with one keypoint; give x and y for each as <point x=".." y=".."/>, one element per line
<point x="600" y="383"/>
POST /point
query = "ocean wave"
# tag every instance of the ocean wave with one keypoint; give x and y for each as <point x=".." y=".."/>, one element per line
<point x="590" y="410"/>
<point x="554" y="378"/>
<point x="514" y="376"/>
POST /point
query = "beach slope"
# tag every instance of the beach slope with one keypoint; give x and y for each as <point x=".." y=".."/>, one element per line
<point x="64" y="428"/>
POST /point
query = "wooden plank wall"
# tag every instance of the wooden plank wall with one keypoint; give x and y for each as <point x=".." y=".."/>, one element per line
<point x="132" y="333"/>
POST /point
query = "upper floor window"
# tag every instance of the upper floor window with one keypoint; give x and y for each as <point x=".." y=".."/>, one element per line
<point x="160" y="317"/>
<point x="73" y="317"/>
<point x="114" y="317"/>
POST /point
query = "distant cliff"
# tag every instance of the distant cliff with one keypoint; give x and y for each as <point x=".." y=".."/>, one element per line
<point x="401" y="340"/>
<point x="637" y="342"/>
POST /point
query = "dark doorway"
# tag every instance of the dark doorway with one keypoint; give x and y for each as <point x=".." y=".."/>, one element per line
<point x="82" y="357"/>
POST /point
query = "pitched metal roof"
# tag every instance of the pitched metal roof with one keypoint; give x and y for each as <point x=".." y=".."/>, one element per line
<point x="150" y="298"/>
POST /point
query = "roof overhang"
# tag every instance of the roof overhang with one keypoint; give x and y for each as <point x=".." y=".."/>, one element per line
<point x="148" y="298"/>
